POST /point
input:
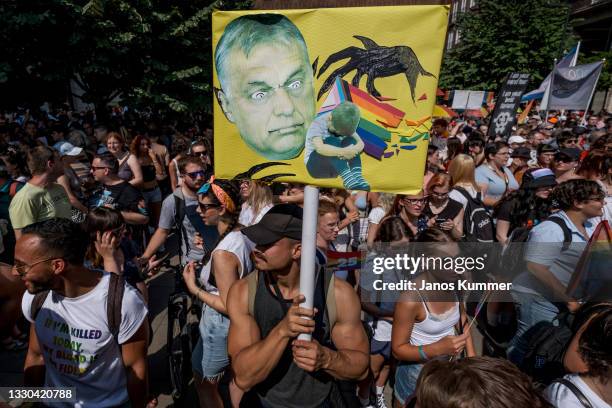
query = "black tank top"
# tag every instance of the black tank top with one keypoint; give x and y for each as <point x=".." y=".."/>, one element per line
<point x="288" y="386"/>
<point x="148" y="173"/>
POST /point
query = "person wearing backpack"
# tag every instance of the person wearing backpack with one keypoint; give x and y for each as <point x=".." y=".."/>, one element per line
<point x="555" y="246"/>
<point x="527" y="206"/>
<point x="477" y="222"/>
<point x="89" y="328"/>
<point x="590" y="383"/>
<point x="266" y="317"/>
<point x="179" y="215"/>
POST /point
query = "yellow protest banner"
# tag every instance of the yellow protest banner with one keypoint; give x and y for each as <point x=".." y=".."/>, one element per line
<point x="335" y="97"/>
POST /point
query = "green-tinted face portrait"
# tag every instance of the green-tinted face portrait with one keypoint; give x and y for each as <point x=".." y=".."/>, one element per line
<point x="270" y="99"/>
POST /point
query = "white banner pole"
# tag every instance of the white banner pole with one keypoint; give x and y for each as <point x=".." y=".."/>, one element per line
<point x="586" y="109"/>
<point x="309" y="247"/>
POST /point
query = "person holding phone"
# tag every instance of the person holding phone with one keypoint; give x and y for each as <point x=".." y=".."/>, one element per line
<point x="443" y="211"/>
<point x="427" y="324"/>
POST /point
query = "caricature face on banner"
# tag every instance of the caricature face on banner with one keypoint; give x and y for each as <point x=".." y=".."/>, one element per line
<point x="330" y="97"/>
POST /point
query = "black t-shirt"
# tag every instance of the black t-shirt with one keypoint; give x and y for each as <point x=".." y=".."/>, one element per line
<point x="449" y="212"/>
<point x="122" y="197"/>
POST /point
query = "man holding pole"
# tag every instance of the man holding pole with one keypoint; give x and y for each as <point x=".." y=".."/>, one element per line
<point x="266" y="317"/>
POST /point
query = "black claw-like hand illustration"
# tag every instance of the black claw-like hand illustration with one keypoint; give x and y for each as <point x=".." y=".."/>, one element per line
<point x="262" y="166"/>
<point x="375" y="61"/>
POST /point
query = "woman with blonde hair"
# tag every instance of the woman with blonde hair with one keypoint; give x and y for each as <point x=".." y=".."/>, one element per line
<point x="257" y="198"/>
<point x="129" y="166"/>
<point x="462" y="171"/>
<point x="377" y="214"/>
<point x="446" y="212"/>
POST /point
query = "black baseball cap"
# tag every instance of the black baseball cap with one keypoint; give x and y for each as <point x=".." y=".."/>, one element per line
<point x="281" y="221"/>
<point x="570" y="152"/>
<point x="522" y="152"/>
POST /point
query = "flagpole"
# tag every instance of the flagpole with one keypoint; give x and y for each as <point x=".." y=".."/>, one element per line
<point x="548" y="91"/>
<point x="573" y="64"/>
<point x="309" y="248"/>
<point x="575" y="57"/>
<point x="603" y="61"/>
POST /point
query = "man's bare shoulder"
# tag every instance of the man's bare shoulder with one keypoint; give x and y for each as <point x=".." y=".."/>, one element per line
<point x="237" y="297"/>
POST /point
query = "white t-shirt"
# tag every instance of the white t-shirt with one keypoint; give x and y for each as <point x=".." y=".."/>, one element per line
<point x="386" y="298"/>
<point x="78" y="347"/>
<point x="457" y="196"/>
<point x="248" y="217"/>
<point x="376" y="215"/>
<point x="236" y="243"/>
<point x="562" y="397"/>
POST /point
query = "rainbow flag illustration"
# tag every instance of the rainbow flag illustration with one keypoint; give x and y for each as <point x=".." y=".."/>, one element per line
<point x="376" y="117"/>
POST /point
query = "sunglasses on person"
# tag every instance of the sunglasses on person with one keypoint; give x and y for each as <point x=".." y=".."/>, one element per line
<point x="95" y="168"/>
<point x="571" y="141"/>
<point x="195" y="174"/>
<point x="206" y="207"/>
<point x="564" y="159"/>
<point x="202" y="153"/>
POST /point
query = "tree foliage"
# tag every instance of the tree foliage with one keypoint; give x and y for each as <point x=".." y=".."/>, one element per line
<point x="152" y="53"/>
<point x="605" y="79"/>
<point x="507" y="36"/>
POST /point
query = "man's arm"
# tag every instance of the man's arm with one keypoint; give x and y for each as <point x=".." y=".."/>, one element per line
<point x="159" y="237"/>
<point x="134" y="353"/>
<point x="34" y="368"/>
<point x="544" y="275"/>
<point x="351" y="360"/>
<point x="132" y="217"/>
<point x="254" y="358"/>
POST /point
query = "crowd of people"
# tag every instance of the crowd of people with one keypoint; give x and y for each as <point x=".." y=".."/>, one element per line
<point x="90" y="211"/>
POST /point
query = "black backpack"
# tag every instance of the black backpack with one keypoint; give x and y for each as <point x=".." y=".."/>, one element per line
<point x="477" y="222"/>
<point x="116" y="288"/>
<point x="547" y="342"/>
<point x="177" y="233"/>
<point x="512" y="260"/>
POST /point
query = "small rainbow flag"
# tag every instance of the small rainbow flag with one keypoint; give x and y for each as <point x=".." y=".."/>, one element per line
<point x="593" y="269"/>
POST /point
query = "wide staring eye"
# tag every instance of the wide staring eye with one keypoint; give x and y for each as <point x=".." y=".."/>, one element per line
<point x="295" y="84"/>
<point x="259" y="95"/>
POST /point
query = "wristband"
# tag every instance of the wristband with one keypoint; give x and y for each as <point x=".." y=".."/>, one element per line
<point x="422" y="353"/>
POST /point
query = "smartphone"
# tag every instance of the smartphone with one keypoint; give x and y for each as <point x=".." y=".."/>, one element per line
<point x="440" y="221"/>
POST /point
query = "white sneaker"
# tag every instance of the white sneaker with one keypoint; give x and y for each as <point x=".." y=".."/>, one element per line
<point x="380" y="401"/>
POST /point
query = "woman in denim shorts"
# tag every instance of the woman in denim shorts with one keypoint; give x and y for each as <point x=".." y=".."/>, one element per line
<point x="425" y="322"/>
<point x="227" y="261"/>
